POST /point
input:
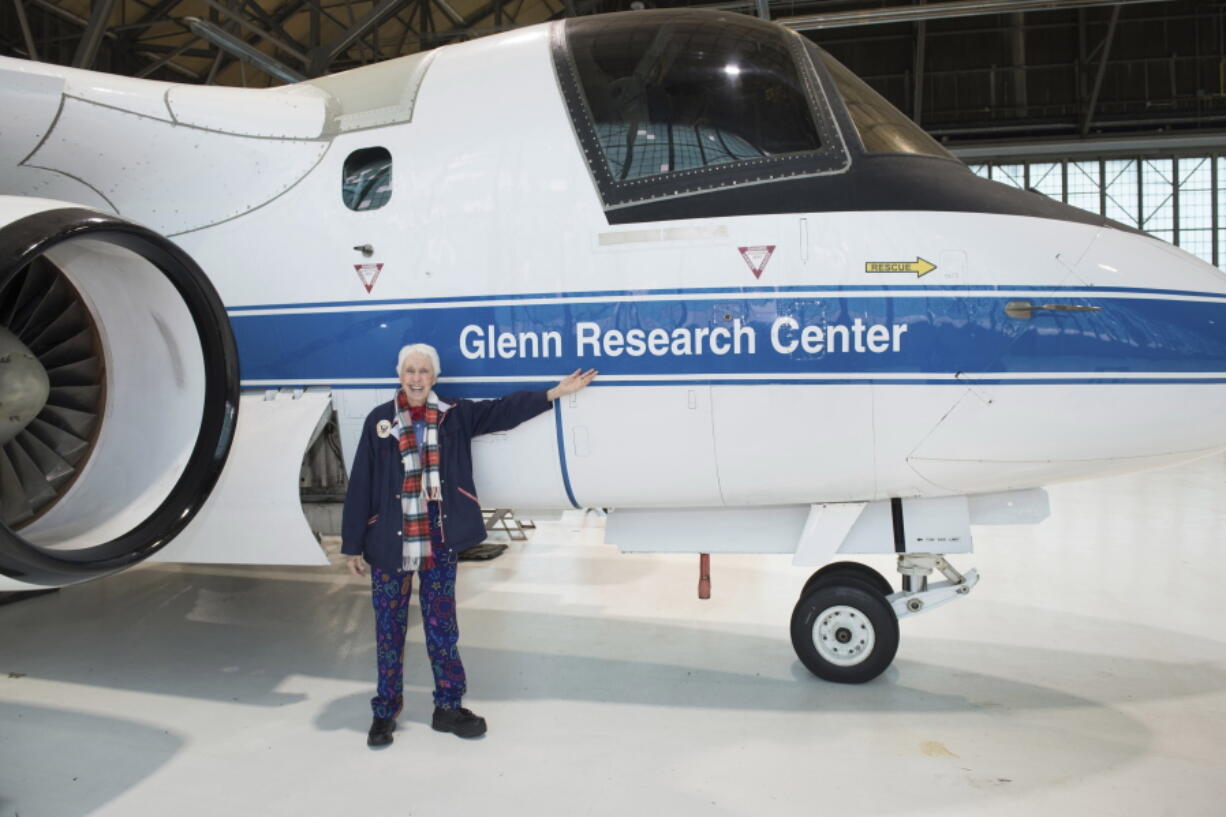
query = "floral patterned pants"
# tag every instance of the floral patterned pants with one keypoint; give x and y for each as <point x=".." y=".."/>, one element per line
<point x="390" y="591"/>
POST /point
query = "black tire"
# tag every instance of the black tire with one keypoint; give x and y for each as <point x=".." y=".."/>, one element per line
<point x="852" y="610"/>
<point x="838" y="571"/>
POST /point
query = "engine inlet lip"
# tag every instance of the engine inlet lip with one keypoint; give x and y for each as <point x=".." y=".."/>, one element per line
<point x="20" y="243"/>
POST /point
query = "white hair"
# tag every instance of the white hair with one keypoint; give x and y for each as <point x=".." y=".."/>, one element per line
<point x="423" y="349"/>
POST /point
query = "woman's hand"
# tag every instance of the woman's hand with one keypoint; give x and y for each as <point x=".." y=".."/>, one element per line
<point x="357" y="566"/>
<point x="572" y="383"/>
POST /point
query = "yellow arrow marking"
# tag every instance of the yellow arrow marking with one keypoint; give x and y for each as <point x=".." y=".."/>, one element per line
<point x="919" y="266"/>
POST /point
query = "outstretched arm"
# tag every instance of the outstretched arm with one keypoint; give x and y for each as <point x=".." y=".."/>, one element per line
<point x="486" y="416"/>
<point x="572" y="383"/>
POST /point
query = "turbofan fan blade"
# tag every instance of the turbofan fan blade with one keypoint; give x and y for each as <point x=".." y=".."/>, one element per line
<point x="55" y="467"/>
<point x="80" y="423"/>
<point x="82" y="373"/>
<point x="73" y="349"/>
<point x="37" y="490"/>
<point x="62" y="442"/>
<point x="81" y="398"/>
<point x="13" y="504"/>
<point x="63" y="327"/>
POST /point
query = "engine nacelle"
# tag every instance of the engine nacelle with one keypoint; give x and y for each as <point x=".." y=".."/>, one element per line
<point x="119" y="392"/>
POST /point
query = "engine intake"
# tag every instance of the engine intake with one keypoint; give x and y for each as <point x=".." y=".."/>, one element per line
<point x="118" y="392"/>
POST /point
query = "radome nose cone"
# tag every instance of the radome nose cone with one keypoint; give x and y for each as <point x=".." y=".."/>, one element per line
<point x="24" y="386"/>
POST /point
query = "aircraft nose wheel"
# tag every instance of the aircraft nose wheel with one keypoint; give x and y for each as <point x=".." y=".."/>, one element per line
<point x="843" y="636"/>
<point x="844" y="630"/>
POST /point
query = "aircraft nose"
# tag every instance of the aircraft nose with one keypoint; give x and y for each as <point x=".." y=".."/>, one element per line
<point x="1122" y="366"/>
<point x="1118" y="258"/>
<point x="1162" y="309"/>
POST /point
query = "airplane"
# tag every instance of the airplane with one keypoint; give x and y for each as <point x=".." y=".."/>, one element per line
<point x="818" y="333"/>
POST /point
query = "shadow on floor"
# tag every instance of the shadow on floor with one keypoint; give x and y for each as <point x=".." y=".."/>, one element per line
<point x="98" y="758"/>
<point x="234" y="638"/>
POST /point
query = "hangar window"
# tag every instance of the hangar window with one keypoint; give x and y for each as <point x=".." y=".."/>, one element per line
<point x="366" y="181"/>
<point x="679" y="102"/>
<point x="882" y="127"/>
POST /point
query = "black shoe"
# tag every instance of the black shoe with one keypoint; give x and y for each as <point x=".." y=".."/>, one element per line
<point x="381" y="732"/>
<point x="459" y="722"/>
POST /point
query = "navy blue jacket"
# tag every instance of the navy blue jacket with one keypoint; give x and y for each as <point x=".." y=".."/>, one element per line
<point x="373" y="522"/>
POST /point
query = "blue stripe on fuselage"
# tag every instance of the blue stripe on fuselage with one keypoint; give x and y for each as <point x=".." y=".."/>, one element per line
<point x="691" y="292"/>
<point x="870" y="334"/>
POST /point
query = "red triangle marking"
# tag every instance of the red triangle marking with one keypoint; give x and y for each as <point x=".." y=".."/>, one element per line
<point x="368" y="274"/>
<point x="757" y="257"/>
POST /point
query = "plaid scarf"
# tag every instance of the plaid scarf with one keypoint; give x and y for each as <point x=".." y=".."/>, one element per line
<point x="421" y="482"/>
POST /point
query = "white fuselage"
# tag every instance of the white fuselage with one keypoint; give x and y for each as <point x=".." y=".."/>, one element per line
<point x="813" y="380"/>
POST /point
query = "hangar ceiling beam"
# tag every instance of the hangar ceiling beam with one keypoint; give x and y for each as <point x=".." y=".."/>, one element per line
<point x="155" y="14"/>
<point x="173" y="66"/>
<point x="921" y="41"/>
<point x="87" y="49"/>
<point x="405" y="31"/>
<point x="193" y="48"/>
<point x="450" y="13"/>
<point x="64" y="14"/>
<point x="264" y="35"/>
<point x="287" y="10"/>
<point x="242" y="50"/>
<point x="428" y="26"/>
<point x="109" y="34"/>
<point x="1111" y="147"/>
<point x="317" y="15"/>
<point x="937" y="11"/>
<point x="129" y="36"/>
<point x="319" y="61"/>
<point x="272" y="25"/>
<point x="1102" y="70"/>
<point x="31" y="51"/>
<point x="373" y="18"/>
<point x="176" y="52"/>
<point x="1017" y="38"/>
<point x="497" y="8"/>
<point x="213" y="69"/>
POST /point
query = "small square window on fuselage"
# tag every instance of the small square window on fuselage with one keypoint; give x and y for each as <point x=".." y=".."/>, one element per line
<point x="366" y="183"/>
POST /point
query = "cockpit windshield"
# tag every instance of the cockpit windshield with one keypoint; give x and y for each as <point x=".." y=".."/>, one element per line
<point x="673" y="98"/>
<point x="670" y="102"/>
<point x="882" y="127"/>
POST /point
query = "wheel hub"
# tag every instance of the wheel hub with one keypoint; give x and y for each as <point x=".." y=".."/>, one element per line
<point x="843" y="635"/>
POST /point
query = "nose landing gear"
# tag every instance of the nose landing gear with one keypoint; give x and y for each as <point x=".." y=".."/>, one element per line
<point x="845" y="625"/>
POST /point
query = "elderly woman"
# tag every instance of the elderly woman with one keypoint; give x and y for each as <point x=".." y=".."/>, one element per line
<point x="411" y="507"/>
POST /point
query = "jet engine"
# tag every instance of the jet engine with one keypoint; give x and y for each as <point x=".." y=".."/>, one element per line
<point x="118" y="392"/>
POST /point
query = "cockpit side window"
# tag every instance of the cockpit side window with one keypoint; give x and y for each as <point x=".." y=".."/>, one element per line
<point x="366" y="181"/>
<point x="882" y="127"/>
<point x="671" y="103"/>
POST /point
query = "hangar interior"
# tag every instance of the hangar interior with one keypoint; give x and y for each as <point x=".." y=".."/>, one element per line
<point x="1116" y="107"/>
<point x="1086" y="675"/>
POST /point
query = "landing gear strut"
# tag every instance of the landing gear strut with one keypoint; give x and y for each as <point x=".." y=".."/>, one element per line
<point x="845" y="625"/>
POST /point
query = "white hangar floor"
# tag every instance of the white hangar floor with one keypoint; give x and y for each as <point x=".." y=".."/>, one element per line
<point x="1085" y="675"/>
